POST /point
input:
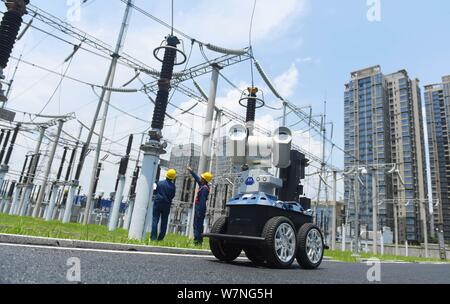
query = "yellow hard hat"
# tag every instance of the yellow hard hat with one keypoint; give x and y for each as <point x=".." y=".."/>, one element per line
<point x="207" y="176"/>
<point x="171" y="174"/>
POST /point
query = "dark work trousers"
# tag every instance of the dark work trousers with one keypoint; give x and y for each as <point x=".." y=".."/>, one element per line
<point x="199" y="220"/>
<point x="160" y="211"/>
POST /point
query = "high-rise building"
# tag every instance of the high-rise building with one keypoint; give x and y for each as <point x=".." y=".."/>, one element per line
<point x="180" y="157"/>
<point x="367" y="141"/>
<point x="407" y="152"/>
<point x="437" y="103"/>
<point x="222" y="190"/>
<point x="383" y="126"/>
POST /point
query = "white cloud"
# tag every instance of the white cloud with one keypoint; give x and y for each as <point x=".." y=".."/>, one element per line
<point x="287" y="82"/>
<point x="230" y="23"/>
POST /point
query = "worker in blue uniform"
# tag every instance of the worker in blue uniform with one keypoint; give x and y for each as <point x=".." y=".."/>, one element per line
<point x="165" y="192"/>
<point x="201" y="202"/>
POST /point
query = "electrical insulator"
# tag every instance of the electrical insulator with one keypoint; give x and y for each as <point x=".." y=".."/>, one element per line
<point x="168" y="64"/>
<point x="11" y="146"/>
<point x="61" y="166"/>
<point x="251" y="105"/>
<point x="9" y="29"/>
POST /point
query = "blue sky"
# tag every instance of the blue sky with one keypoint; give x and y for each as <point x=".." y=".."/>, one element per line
<point x="308" y="47"/>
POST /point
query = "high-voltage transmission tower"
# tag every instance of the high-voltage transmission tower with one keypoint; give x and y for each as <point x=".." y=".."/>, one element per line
<point x="104" y="101"/>
<point x="94" y="45"/>
<point x="60" y="123"/>
<point x="22" y="204"/>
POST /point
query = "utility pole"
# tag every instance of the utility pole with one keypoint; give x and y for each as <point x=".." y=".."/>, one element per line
<point x="335" y="215"/>
<point x="106" y="98"/>
<point x="356" y="196"/>
<point x="25" y="199"/>
<point x="154" y="147"/>
<point x="423" y="204"/>
<point x="54" y="189"/>
<point x="114" y="215"/>
<point x="322" y="166"/>
<point x="396" y="226"/>
<point x="327" y="207"/>
<point x="10" y="26"/>
<point x="74" y="183"/>
<point x="207" y="135"/>
<point x="41" y="195"/>
<point x="213" y="141"/>
<point x="375" y="209"/>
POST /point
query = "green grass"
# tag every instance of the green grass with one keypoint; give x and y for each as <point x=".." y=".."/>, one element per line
<point x="37" y="227"/>
<point x="346" y="256"/>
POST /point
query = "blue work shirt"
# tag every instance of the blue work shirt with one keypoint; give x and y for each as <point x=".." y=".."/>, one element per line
<point x="202" y="194"/>
<point x="165" y="192"/>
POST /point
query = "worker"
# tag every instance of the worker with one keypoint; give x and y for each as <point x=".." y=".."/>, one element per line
<point x="165" y="192"/>
<point x="201" y="202"/>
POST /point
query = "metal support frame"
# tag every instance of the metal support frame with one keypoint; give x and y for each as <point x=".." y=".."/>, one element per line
<point x="25" y="198"/>
<point x="375" y="210"/>
<point x="105" y="99"/>
<point x="87" y="39"/>
<point x="335" y="214"/>
<point x="207" y="135"/>
<point x="41" y="196"/>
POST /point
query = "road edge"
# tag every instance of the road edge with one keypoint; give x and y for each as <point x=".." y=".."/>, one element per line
<point x="79" y="244"/>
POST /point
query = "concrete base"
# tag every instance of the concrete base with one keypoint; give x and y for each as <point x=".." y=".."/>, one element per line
<point x="51" y="242"/>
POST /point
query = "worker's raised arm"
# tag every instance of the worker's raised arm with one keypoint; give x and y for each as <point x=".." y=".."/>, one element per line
<point x="195" y="176"/>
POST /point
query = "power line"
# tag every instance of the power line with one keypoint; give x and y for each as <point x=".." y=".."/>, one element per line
<point x="117" y="90"/>
<point x="165" y="24"/>
<point x="57" y="87"/>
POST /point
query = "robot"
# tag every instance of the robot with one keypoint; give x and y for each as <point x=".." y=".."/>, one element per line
<point x="268" y="219"/>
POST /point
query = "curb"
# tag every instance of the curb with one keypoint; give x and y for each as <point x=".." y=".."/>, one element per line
<point x="403" y="262"/>
<point x="76" y="244"/>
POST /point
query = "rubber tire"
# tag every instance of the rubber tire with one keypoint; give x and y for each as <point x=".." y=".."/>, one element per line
<point x="220" y="249"/>
<point x="269" y="234"/>
<point x="255" y="255"/>
<point x="302" y="257"/>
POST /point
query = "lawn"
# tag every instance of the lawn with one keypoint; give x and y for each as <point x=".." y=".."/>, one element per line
<point x="54" y="229"/>
<point x="347" y="256"/>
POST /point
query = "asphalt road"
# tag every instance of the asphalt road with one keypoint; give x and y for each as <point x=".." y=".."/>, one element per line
<point x="34" y="264"/>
